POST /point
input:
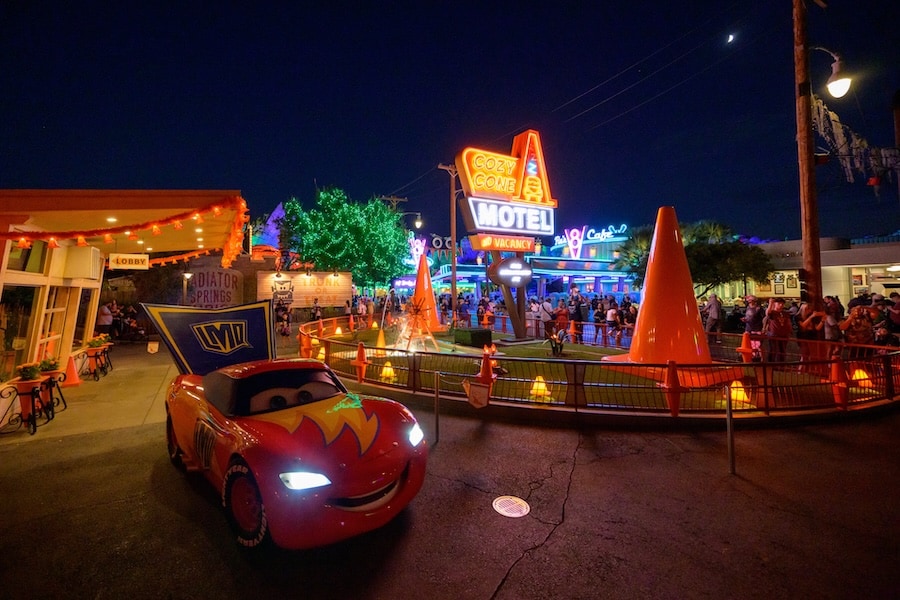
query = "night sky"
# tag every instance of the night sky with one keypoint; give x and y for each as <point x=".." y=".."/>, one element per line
<point x="639" y="104"/>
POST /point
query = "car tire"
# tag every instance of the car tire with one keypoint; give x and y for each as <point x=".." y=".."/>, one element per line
<point x="244" y="506"/>
<point x="175" y="453"/>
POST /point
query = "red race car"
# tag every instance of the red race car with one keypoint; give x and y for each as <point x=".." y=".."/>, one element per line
<point x="297" y="458"/>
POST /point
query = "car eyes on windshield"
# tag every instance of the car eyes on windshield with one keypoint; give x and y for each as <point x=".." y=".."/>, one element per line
<point x="277" y="399"/>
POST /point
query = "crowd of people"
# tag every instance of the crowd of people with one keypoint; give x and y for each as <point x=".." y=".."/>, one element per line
<point x="120" y="322"/>
<point x="868" y="321"/>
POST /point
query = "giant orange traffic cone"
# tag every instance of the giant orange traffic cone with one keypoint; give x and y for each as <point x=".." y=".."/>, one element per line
<point x="72" y="377"/>
<point x="423" y="296"/>
<point x="668" y="324"/>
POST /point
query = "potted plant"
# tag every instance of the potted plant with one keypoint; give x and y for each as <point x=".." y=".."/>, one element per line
<point x="28" y="371"/>
<point x="96" y="342"/>
<point x="51" y="363"/>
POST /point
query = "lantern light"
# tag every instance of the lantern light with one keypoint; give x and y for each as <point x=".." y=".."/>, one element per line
<point x="156" y="230"/>
<point x="107" y="238"/>
<point x="23" y="243"/>
<point x="81" y="241"/>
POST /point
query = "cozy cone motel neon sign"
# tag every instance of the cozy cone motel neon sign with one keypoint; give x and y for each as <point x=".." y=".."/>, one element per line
<point x="507" y="194"/>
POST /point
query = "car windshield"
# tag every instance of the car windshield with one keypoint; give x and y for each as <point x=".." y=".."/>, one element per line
<point x="270" y="390"/>
<point x="277" y="390"/>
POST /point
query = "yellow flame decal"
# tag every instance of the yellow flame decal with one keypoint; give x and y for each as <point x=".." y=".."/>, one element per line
<point x="331" y="419"/>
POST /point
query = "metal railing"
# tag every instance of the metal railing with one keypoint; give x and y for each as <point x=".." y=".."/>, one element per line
<point x="809" y="376"/>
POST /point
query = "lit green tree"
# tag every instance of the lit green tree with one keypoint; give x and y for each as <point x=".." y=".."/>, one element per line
<point x="368" y="240"/>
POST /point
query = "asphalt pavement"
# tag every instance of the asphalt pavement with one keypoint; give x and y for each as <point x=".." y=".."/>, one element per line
<point x="92" y="508"/>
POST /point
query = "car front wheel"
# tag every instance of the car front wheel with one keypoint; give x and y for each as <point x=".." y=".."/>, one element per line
<point x="244" y="506"/>
<point x="172" y="445"/>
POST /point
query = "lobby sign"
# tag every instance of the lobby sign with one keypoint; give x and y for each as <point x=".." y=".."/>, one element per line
<point x="507" y="193"/>
<point x="133" y="262"/>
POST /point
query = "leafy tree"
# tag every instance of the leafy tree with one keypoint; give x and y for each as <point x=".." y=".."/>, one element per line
<point x="713" y="256"/>
<point x="368" y="240"/>
<point x="634" y="253"/>
<point x="716" y="264"/>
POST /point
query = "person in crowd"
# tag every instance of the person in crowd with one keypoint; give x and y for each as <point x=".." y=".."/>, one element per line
<point x="753" y="324"/>
<point x="462" y="309"/>
<point x="316" y="311"/>
<point x="283" y="326"/>
<point x="573" y="307"/>
<point x="892" y="311"/>
<point x="612" y="322"/>
<point x="105" y="317"/>
<point x="858" y="332"/>
<point x="362" y="311"/>
<point x="628" y="319"/>
<point x="886" y="339"/>
<point x="714" y="319"/>
<point x="832" y="326"/>
<point x="561" y="314"/>
<point x="810" y="325"/>
<point x="545" y="312"/>
<point x="878" y="311"/>
<point x="778" y="329"/>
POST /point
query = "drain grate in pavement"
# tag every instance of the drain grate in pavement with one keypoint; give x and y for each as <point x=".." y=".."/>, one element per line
<point x="510" y="506"/>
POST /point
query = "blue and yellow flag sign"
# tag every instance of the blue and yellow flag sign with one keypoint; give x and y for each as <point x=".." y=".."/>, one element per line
<point x="204" y="339"/>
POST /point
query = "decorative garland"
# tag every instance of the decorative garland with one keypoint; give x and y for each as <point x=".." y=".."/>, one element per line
<point x="232" y="248"/>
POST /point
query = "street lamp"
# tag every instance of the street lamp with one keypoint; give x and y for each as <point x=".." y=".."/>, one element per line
<point x="187" y="277"/>
<point x="839" y="82"/>
<point x="809" y="210"/>
<point x="418" y="221"/>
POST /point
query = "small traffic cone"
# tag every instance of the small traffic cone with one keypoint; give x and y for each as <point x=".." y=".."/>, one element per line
<point x="486" y="375"/>
<point x="840" y="384"/>
<point x="305" y="345"/>
<point x="71" y="377"/>
<point x="379" y="344"/>
<point x="746" y="348"/>
<point x="350" y="326"/>
<point x="360" y="363"/>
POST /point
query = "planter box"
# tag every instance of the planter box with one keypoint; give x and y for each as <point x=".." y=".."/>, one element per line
<point x="478" y="338"/>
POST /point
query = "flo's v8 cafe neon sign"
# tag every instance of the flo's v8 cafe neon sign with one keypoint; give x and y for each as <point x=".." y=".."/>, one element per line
<point x="507" y="194"/>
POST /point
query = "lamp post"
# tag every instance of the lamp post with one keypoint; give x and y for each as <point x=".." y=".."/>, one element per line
<point x="451" y="170"/>
<point x="418" y="221"/>
<point x="809" y="209"/>
<point x="187" y="277"/>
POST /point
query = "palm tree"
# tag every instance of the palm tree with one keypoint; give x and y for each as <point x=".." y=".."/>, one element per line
<point x="634" y="252"/>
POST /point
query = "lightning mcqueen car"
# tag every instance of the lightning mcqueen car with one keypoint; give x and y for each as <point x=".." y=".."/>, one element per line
<point x="297" y="458"/>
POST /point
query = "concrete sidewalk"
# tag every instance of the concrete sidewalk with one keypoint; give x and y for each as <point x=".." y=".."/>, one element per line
<point x="131" y="394"/>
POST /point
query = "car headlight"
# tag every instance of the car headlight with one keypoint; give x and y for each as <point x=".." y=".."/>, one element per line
<point x="416" y="435"/>
<point x="302" y="480"/>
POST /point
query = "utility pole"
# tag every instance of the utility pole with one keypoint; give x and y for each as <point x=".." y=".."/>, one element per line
<point x="394" y="200"/>
<point x="809" y="209"/>
<point x="451" y="169"/>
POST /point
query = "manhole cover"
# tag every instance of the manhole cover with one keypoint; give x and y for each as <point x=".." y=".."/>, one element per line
<point x="510" y="506"/>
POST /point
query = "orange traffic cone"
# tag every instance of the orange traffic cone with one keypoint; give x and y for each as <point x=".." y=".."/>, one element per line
<point x="71" y="377"/>
<point x="360" y="363"/>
